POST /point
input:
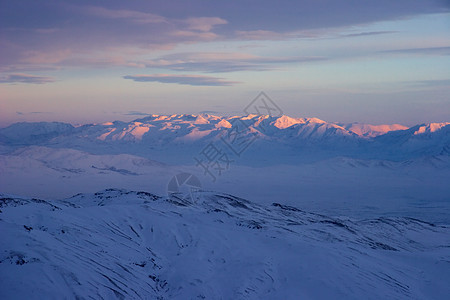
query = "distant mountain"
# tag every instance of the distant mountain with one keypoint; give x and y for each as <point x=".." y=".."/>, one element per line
<point x="368" y="130"/>
<point x="137" y="245"/>
<point x="275" y="136"/>
<point x="29" y="133"/>
<point x="417" y="141"/>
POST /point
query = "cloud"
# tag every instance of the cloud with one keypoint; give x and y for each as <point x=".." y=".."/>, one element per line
<point x="33" y="113"/>
<point x="421" y="51"/>
<point x="196" y="80"/>
<point x="367" y="33"/>
<point x="218" y="62"/>
<point x="46" y="30"/>
<point x="204" y="23"/>
<point x="37" y="35"/>
<point x="265" y="35"/>
<point x="35" y="57"/>
<point x="209" y="112"/>
<point x="198" y="36"/>
<point x="429" y="83"/>
<point x="26" y="78"/>
<point x="133" y="16"/>
<point x="136" y="113"/>
<point x="93" y="31"/>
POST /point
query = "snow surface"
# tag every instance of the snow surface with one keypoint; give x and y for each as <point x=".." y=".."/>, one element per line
<point x="134" y="245"/>
<point x="361" y="211"/>
<point x="320" y="166"/>
<point x="340" y="186"/>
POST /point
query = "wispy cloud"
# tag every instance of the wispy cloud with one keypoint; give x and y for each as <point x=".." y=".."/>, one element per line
<point x="196" y="80"/>
<point x="369" y="33"/>
<point x="209" y="112"/>
<point x="197" y="36"/>
<point x="32" y="113"/>
<point x="264" y="35"/>
<point x="131" y="15"/>
<point x="429" y="83"/>
<point x="26" y="78"/>
<point x="421" y="51"/>
<point x="204" y="23"/>
<point x="136" y="113"/>
<point x="218" y="62"/>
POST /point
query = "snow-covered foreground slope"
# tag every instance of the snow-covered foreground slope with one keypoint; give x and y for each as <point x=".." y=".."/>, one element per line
<point x="123" y="244"/>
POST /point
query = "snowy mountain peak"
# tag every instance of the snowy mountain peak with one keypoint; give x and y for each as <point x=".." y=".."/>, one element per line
<point x="249" y="117"/>
<point x="201" y="119"/>
<point x="223" y="124"/>
<point x="368" y="130"/>
<point x="284" y="122"/>
<point x="314" y="120"/>
<point x="429" y="128"/>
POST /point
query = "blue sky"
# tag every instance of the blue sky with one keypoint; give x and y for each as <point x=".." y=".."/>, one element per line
<point x="92" y="61"/>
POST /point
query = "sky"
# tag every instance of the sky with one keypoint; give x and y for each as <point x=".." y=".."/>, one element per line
<point x="90" y="61"/>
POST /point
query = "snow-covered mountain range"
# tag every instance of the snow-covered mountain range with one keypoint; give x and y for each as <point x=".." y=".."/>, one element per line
<point x="341" y="169"/>
<point x="136" y="245"/>
<point x="341" y="211"/>
<point x="295" y="138"/>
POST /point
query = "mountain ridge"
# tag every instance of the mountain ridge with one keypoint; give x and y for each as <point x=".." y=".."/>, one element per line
<point x="281" y="122"/>
<point x="305" y="136"/>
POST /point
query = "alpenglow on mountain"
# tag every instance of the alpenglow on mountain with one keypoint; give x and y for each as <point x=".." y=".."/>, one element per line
<point x="304" y="137"/>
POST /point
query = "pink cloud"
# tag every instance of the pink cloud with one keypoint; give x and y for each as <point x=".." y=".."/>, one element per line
<point x="204" y="23"/>
<point x="40" y="57"/>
